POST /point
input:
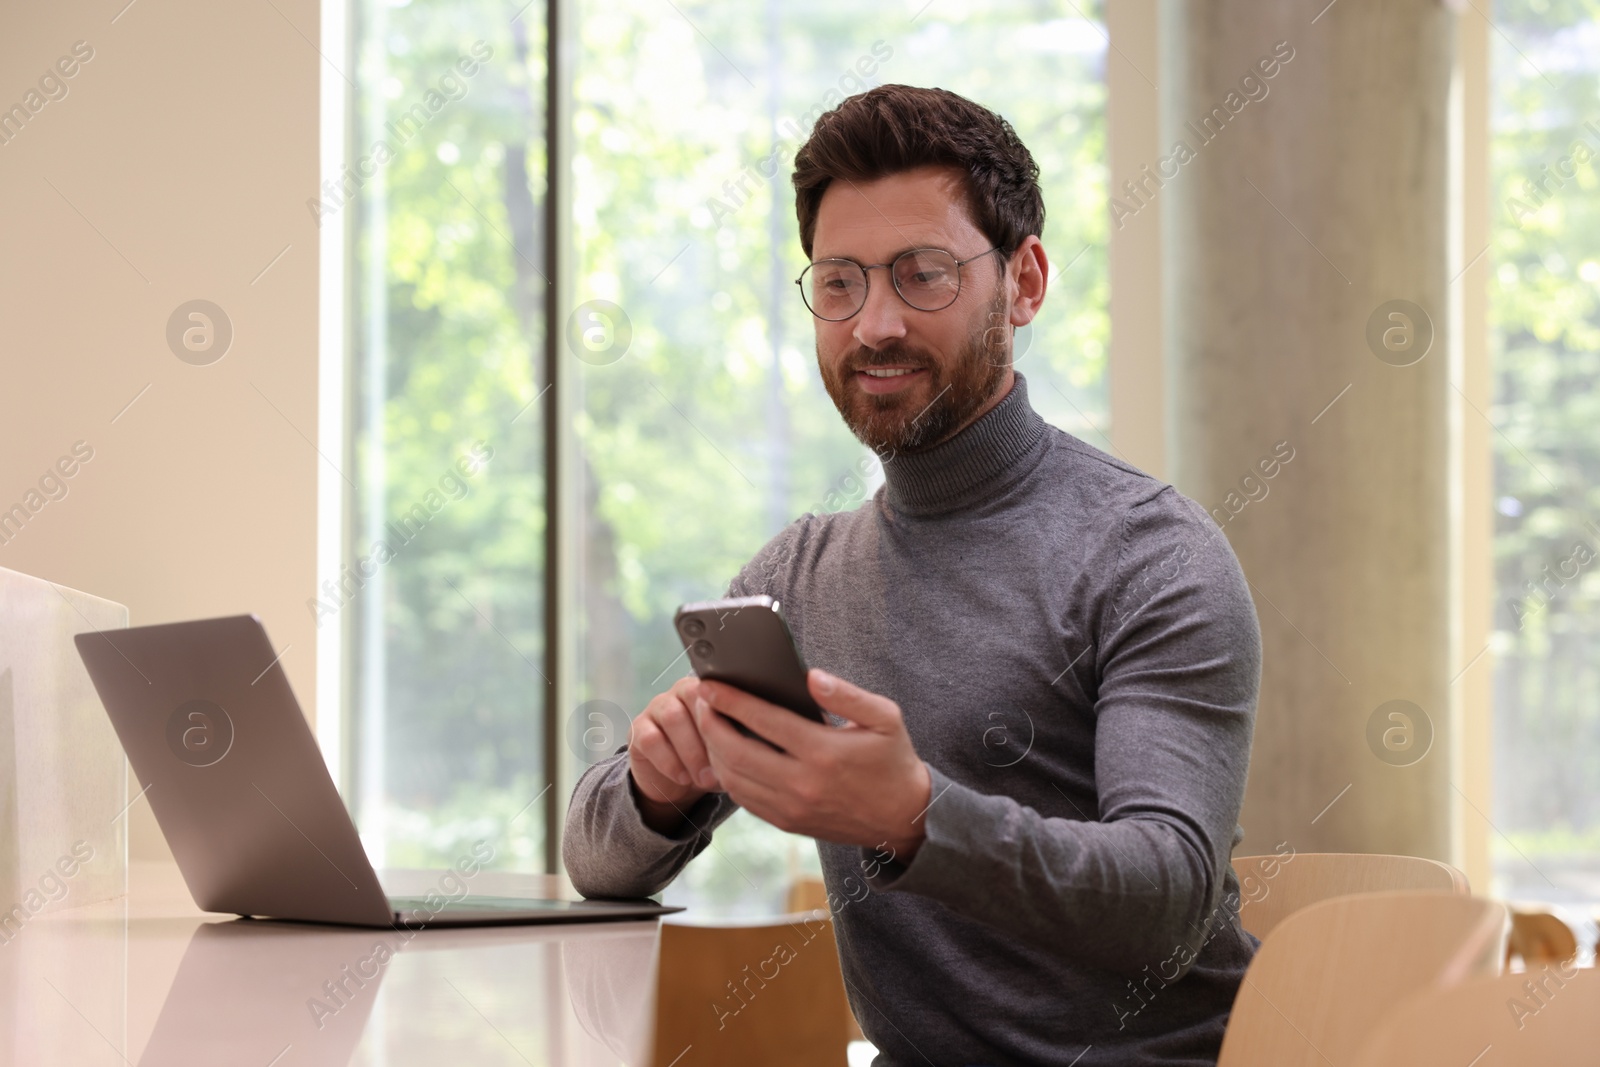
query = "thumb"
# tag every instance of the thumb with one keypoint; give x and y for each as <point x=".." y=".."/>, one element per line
<point x="849" y="701"/>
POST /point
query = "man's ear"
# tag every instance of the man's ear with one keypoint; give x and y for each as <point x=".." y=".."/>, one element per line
<point x="1030" y="273"/>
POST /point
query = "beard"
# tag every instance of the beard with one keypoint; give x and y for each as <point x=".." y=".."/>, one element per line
<point x="909" y="420"/>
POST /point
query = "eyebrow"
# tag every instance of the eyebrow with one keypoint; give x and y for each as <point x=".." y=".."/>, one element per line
<point x="892" y="257"/>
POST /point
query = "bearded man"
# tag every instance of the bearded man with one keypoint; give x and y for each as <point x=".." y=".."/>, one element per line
<point x="1041" y="664"/>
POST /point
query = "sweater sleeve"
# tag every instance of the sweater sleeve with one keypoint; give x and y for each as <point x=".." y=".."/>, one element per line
<point x="607" y="848"/>
<point x="610" y="852"/>
<point x="1177" y="655"/>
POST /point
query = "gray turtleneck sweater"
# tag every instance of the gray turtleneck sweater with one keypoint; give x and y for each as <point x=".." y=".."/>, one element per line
<point x="1076" y="655"/>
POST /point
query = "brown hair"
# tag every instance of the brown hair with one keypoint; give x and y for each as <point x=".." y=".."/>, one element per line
<point x="895" y="128"/>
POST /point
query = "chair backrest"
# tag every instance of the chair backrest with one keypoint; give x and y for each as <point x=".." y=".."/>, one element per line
<point x="1539" y="937"/>
<point x="1273" y="887"/>
<point x="768" y="992"/>
<point x="1547" y="1017"/>
<point x="1330" y="972"/>
<point x="807" y="892"/>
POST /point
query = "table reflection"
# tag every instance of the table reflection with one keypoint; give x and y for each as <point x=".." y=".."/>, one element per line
<point x="161" y="985"/>
<point x="258" y="992"/>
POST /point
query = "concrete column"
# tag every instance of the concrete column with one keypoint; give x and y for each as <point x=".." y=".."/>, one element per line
<point x="1305" y="223"/>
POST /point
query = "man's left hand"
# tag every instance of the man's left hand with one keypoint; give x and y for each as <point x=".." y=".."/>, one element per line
<point x="857" y="784"/>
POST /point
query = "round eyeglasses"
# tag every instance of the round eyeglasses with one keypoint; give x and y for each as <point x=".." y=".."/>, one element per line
<point x="928" y="279"/>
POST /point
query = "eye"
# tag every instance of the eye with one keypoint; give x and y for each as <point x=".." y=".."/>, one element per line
<point x="837" y="278"/>
<point x="926" y="270"/>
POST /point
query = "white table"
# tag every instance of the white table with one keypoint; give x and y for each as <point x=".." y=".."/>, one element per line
<point x="150" y="980"/>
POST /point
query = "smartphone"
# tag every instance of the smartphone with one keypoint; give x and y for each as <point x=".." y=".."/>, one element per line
<point x="744" y="642"/>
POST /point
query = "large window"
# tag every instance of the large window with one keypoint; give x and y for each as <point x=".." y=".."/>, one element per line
<point x="1546" y="351"/>
<point x="693" y="419"/>
<point x="713" y="432"/>
<point x="446" y="683"/>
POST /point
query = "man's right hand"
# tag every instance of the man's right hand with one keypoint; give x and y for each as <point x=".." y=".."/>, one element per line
<point x="667" y="759"/>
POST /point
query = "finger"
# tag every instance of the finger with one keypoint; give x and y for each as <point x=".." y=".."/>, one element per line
<point x="763" y="782"/>
<point x="732" y="753"/>
<point x="849" y="701"/>
<point x="650" y="745"/>
<point x="777" y="724"/>
<point x="678" y="723"/>
<point x="760" y="800"/>
<point x="686" y="688"/>
<point x="748" y="790"/>
<point x="720" y="740"/>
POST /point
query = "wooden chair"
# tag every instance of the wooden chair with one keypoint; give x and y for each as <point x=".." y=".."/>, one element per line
<point x="1326" y="975"/>
<point x="1495" y="1021"/>
<point x="767" y="992"/>
<point x="808" y="893"/>
<point x="1538" y="937"/>
<point x="1272" y="888"/>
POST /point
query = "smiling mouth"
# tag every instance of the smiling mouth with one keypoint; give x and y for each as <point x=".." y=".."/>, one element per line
<point x="881" y="381"/>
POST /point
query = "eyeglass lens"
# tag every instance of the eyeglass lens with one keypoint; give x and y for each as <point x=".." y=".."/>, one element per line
<point x="927" y="278"/>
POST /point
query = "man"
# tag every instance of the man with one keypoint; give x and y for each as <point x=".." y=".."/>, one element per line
<point x="1041" y="664"/>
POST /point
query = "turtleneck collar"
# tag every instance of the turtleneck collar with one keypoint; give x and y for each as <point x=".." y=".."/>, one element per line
<point x="982" y="459"/>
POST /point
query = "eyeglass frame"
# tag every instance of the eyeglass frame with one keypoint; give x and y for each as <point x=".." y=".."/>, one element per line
<point x="866" y="273"/>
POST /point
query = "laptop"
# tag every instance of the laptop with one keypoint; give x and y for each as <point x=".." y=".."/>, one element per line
<point x="233" y="774"/>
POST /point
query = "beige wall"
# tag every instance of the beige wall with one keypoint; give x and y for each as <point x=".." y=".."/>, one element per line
<point x="175" y="168"/>
<point x="1133" y="127"/>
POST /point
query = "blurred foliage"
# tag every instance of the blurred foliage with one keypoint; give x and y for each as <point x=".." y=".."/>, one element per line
<point x="715" y="430"/>
<point x="437" y="317"/>
<point x="712" y="431"/>
<point x="1545" y="309"/>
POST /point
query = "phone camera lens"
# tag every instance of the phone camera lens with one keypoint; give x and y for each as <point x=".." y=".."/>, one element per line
<point x="693" y="627"/>
<point x="704" y="649"/>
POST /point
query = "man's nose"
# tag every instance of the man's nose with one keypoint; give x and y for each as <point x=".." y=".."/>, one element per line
<point x="882" y="317"/>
